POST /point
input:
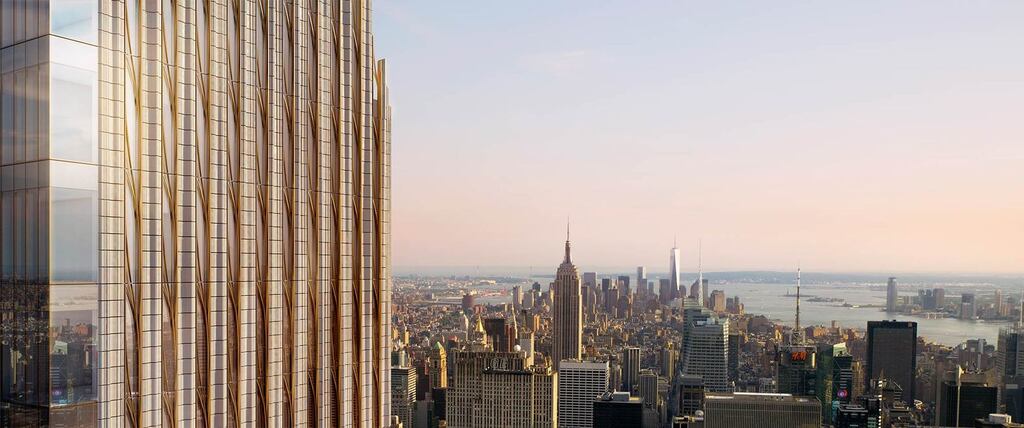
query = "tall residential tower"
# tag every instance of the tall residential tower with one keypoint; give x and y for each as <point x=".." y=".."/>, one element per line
<point x="196" y="214"/>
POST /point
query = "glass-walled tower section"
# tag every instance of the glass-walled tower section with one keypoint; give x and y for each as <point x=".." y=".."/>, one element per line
<point x="48" y="212"/>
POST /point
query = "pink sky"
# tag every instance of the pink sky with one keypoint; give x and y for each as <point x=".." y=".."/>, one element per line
<point x="872" y="137"/>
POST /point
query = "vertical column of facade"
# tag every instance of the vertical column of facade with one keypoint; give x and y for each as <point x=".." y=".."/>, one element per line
<point x="184" y="411"/>
<point x="246" y="282"/>
<point x="326" y="133"/>
<point x="221" y="407"/>
<point x="346" y="290"/>
<point x="278" y="377"/>
<point x="150" y="212"/>
<point x="259" y="51"/>
<point x="111" y="363"/>
<point x="383" y="205"/>
<point x="363" y="197"/>
<point x="203" y="240"/>
<point x="300" y="217"/>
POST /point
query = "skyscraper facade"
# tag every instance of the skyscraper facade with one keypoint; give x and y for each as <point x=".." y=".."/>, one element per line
<point x="196" y="214"/>
<point x="675" y="276"/>
<point x="892" y="354"/>
<point x="706" y="348"/>
<point x="1010" y="366"/>
<point x="567" y="318"/>
<point x="641" y="279"/>
<point x="891" y="296"/>
<point x="630" y="369"/>
<point x="579" y="384"/>
<point x="403" y="393"/>
<point x="752" y="410"/>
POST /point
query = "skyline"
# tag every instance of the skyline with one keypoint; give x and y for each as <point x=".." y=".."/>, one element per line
<point x="868" y="137"/>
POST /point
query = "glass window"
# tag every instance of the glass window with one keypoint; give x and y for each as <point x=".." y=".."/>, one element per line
<point x="74" y="223"/>
<point x="73" y="324"/>
<point x="73" y="134"/>
<point x="75" y="19"/>
<point x="7" y="119"/>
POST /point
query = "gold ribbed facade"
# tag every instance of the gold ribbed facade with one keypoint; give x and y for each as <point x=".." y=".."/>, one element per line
<point x="230" y="204"/>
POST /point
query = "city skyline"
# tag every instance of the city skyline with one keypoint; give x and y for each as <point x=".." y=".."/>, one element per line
<point x="859" y="137"/>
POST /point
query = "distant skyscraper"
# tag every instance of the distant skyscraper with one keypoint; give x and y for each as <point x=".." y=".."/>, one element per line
<point x="891" y="296"/>
<point x="717" y="303"/>
<point x="641" y="279"/>
<point x="196" y="203"/>
<point x="647" y="387"/>
<point x="438" y="366"/>
<point x="665" y="293"/>
<point x="892" y="354"/>
<point x="517" y="297"/>
<point x="403" y="393"/>
<point x="579" y="385"/>
<point x="624" y="285"/>
<point x="968" y="310"/>
<point x="668" y="358"/>
<point x="705" y="348"/>
<point x="675" y="276"/>
<point x="590" y="279"/>
<point x="1010" y="365"/>
<point x="630" y="369"/>
<point x="735" y="340"/>
<point x="567" y="320"/>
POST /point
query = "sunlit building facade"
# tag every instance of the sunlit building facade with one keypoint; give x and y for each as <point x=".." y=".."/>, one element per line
<point x="195" y="205"/>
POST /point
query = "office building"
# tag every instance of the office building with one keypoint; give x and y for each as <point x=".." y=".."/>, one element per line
<point x="1010" y="366"/>
<point x="892" y="354"/>
<point x="618" y="410"/>
<point x="691" y="394"/>
<point x="964" y="398"/>
<point x="403" y="394"/>
<point x="797" y="370"/>
<point x="891" y="296"/>
<point x="438" y="367"/>
<point x="517" y="297"/>
<point x="835" y="380"/>
<point x="705" y="349"/>
<point x="202" y="217"/>
<point x="674" y="275"/>
<point x="567" y="309"/>
<point x="498" y="389"/>
<point x="756" y="410"/>
<point x="641" y="279"/>
<point x="630" y="369"/>
<point x="468" y="301"/>
<point x="968" y="309"/>
<point x="623" y="284"/>
<point x="665" y="293"/>
<point x="579" y="384"/>
<point x="717" y="301"/>
<point x="735" y="340"/>
<point x="667" y="359"/>
<point x="647" y="388"/>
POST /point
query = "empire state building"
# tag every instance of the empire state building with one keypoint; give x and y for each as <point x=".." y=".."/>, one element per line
<point x="568" y="311"/>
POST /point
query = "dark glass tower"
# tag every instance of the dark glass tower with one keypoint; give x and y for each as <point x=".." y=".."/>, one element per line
<point x="892" y="352"/>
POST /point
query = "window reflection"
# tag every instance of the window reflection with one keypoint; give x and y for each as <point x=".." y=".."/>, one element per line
<point x="72" y="334"/>
<point x="75" y="19"/>
<point x="72" y="113"/>
<point x="74" y="251"/>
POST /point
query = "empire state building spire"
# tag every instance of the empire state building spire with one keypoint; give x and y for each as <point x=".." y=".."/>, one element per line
<point x="568" y="246"/>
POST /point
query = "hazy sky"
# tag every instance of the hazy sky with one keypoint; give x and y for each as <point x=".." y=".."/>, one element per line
<point x="841" y="136"/>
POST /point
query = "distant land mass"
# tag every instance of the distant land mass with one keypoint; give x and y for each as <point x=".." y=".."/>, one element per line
<point x="511" y="273"/>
